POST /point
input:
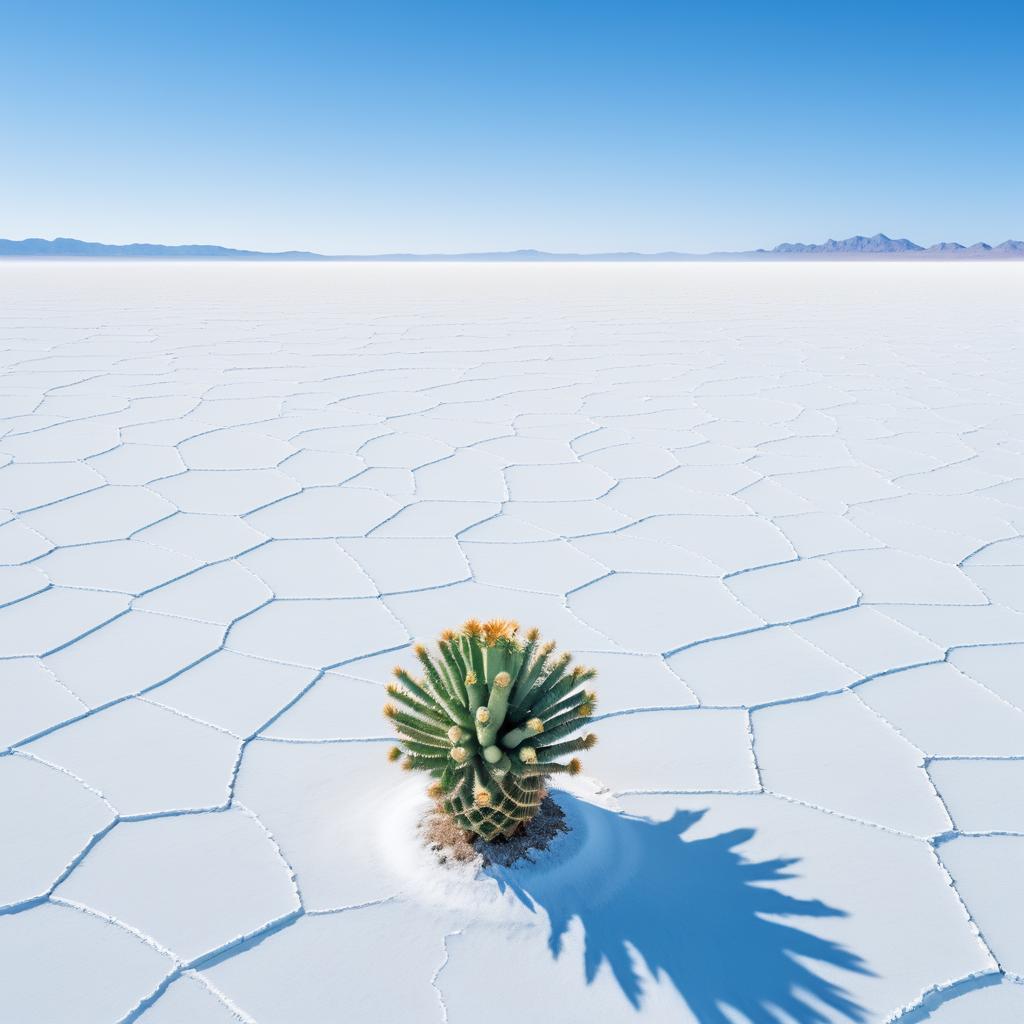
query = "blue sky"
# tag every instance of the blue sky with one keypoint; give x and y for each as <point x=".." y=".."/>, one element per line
<point x="450" y="126"/>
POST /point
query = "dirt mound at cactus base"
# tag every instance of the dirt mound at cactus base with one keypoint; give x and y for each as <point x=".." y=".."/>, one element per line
<point x="429" y="861"/>
<point x="449" y="842"/>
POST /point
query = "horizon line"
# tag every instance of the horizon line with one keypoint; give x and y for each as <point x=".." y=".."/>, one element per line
<point x="853" y="247"/>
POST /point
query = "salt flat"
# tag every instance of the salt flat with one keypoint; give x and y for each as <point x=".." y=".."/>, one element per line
<point x="780" y="508"/>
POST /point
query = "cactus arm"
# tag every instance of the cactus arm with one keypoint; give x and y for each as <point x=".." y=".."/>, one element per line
<point x="554" y="768"/>
<point x="421" y="737"/>
<point x="497" y="706"/>
<point x="553" y="697"/>
<point x="516" y="661"/>
<point x="414" y="687"/>
<point x="427" y="750"/>
<point x="428" y="711"/>
<point x="582" y="701"/>
<point x="473" y="653"/>
<point x="465" y="787"/>
<point x="392" y="712"/>
<point x="571" y="703"/>
<point x="459" y="655"/>
<point x="543" y="686"/>
<point x="495" y="661"/>
<point x="469" y="750"/>
<point x="438" y="703"/>
<point x="448" y="778"/>
<point x="434" y="677"/>
<point x="454" y="667"/>
<point x="521" y="769"/>
<point x="459" y="715"/>
<point x="476" y="694"/>
<point x="561" y="731"/>
<point x="528" y="731"/>
<point x="484" y="780"/>
<point x="523" y="662"/>
<point x="556" y="695"/>
<point x="570" y="717"/>
<point x="526" y="686"/>
<point x="542" y="692"/>
<point x="422" y="762"/>
<point x="554" y="750"/>
<point x="483" y="726"/>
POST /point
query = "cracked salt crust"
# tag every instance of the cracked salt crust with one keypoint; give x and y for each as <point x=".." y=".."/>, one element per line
<point x="788" y="534"/>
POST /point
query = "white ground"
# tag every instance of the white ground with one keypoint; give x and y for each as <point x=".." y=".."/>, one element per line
<point x="779" y="507"/>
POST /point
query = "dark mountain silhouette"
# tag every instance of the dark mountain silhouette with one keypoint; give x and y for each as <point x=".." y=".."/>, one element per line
<point x="858" y="247"/>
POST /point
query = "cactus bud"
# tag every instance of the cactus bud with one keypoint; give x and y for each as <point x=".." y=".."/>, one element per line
<point x="492" y="754"/>
<point x="394" y="753"/>
<point x="407" y="765"/>
<point x="481" y="797"/>
<point x="435" y="791"/>
<point x="390" y="710"/>
<point x="527" y="755"/>
<point x="586" y="710"/>
<point x="589" y="741"/>
<point x="502" y="679"/>
<point x="455" y="734"/>
<point x="419" y="650"/>
<point x="483" y="716"/>
<point x="460" y="754"/>
<point x="535" y="725"/>
<point x="471" y="678"/>
<point x="532" y="635"/>
<point x="575" y="767"/>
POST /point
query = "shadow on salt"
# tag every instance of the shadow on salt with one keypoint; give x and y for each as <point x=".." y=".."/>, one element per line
<point x="694" y="911"/>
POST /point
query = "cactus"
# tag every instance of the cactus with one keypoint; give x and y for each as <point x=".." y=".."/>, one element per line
<point x="488" y="719"/>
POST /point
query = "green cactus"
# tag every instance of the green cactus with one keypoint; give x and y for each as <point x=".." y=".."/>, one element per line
<point x="488" y="720"/>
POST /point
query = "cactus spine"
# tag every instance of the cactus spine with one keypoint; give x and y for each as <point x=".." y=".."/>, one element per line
<point x="488" y="720"/>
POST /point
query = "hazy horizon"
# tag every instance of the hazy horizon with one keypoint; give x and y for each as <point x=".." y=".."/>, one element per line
<point x="526" y="254"/>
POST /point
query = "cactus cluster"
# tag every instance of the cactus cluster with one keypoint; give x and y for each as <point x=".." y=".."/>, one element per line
<point x="489" y="719"/>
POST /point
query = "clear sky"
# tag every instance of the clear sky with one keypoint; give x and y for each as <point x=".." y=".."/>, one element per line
<point x="431" y="125"/>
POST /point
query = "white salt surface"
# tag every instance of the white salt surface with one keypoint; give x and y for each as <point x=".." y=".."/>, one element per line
<point x="779" y="507"/>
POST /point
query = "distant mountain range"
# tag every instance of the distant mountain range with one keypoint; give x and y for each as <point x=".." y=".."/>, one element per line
<point x="878" y="245"/>
<point x="72" y="247"/>
<point x="857" y="247"/>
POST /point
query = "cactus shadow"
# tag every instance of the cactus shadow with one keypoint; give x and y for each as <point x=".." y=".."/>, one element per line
<point x="694" y="912"/>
